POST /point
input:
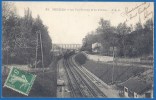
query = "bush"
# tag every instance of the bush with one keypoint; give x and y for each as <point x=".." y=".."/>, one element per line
<point x="80" y="58"/>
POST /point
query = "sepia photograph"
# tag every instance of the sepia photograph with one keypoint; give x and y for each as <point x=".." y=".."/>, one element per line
<point x="77" y="49"/>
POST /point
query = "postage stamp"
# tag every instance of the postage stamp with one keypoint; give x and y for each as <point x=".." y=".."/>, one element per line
<point x="20" y="81"/>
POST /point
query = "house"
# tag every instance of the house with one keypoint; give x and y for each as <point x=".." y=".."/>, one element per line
<point x="135" y="88"/>
<point x="96" y="47"/>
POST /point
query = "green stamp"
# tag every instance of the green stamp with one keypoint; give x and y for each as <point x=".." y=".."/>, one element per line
<point x="20" y="81"/>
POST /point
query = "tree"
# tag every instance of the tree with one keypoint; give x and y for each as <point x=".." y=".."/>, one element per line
<point x="141" y="40"/>
<point x="107" y="36"/>
<point x="39" y="28"/>
<point x="104" y="34"/>
<point x="149" y="36"/>
<point x="88" y="41"/>
<point x="138" y="42"/>
<point x="22" y="33"/>
<point x="9" y="29"/>
<point x="138" y="26"/>
<point x="149" y="25"/>
<point x="122" y="30"/>
<point x="8" y="9"/>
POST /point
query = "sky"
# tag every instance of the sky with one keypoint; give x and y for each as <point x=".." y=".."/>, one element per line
<point x="70" y="22"/>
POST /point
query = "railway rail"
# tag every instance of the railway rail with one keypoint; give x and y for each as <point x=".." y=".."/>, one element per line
<point x="81" y="85"/>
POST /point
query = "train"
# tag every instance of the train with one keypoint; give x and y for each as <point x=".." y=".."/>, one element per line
<point x="69" y="53"/>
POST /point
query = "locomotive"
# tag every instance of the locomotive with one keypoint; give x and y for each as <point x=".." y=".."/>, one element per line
<point x="69" y="53"/>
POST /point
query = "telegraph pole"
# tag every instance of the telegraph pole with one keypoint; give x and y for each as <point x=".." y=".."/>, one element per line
<point x="36" y="51"/>
<point x="41" y="51"/>
<point x="113" y="66"/>
<point x="114" y="49"/>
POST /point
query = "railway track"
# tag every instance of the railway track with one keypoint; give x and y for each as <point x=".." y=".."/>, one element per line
<point x="90" y="79"/>
<point x="80" y="83"/>
<point x="72" y="81"/>
<point x="89" y="75"/>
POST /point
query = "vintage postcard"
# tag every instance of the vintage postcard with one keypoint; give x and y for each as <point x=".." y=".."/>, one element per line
<point x="78" y="49"/>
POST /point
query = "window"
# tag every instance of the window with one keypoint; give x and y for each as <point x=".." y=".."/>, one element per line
<point x="147" y="95"/>
<point x="126" y="90"/>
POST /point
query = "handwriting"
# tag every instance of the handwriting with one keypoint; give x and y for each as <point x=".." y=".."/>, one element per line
<point x="147" y="14"/>
<point x="143" y="9"/>
<point x="127" y="11"/>
<point x="133" y="15"/>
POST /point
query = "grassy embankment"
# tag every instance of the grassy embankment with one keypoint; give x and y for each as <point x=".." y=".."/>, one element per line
<point x="104" y="70"/>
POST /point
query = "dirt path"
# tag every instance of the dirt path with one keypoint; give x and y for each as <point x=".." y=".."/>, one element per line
<point x="62" y="91"/>
<point x="125" y="64"/>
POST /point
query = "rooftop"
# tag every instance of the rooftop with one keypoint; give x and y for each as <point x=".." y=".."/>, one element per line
<point x="137" y="85"/>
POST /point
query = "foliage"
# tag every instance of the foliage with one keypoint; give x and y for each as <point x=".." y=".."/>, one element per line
<point x="20" y="35"/>
<point x="129" y="43"/>
<point x="80" y="58"/>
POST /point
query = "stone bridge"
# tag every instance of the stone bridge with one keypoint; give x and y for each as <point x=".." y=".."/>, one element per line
<point x="62" y="47"/>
